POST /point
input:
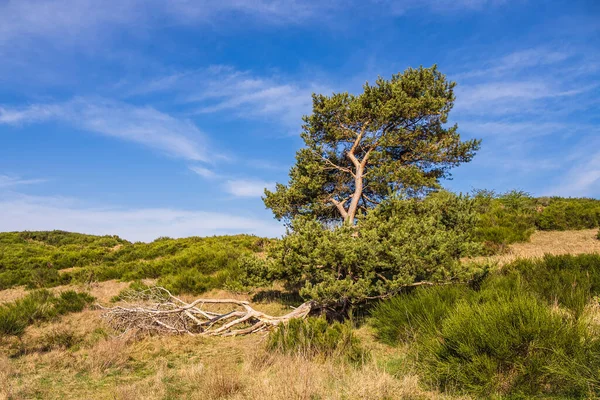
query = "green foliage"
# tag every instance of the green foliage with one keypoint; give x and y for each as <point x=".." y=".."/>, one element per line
<point x="513" y="216"/>
<point x="515" y="345"/>
<point x="403" y="318"/>
<point x="397" y="244"/>
<point x="598" y="235"/>
<point x="504" y="219"/>
<point x="361" y="149"/>
<point x="315" y="337"/>
<point x="520" y="332"/>
<point x="39" y="305"/>
<point x="193" y="281"/>
<point x="564" y="280"/>
<point x="35" y="259"/>
<point x="568" y="213"/>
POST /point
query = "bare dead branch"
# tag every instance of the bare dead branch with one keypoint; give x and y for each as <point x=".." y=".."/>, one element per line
<point x="156" y="310"/>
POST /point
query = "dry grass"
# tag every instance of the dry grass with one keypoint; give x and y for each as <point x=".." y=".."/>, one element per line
<point x="549" y="242"/>
<point x="169" y="367"/>
<point x="162" y="367"/>
<point x="12" y="294"/>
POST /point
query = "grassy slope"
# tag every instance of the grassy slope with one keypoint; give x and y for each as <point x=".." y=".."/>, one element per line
<point x="94" y="365"/>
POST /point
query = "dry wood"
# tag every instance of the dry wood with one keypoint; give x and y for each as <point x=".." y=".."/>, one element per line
<point x="157" y="310"/>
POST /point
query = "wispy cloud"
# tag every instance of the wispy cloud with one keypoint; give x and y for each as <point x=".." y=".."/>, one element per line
<point x="7" y="181"/>
<point x="441" y="6"/>
<point x="142" y="224"/>
<point x="516" y="61"/>
<point x="79" y="20"/>
<point x="144" y="125"/>
<point x="581" y="179"/>
<point x="204" y="172"/>
<point x="247" y="188"/>
<point x="225" y="89"/>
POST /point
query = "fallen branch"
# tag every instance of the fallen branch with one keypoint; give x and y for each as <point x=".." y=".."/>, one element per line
<point x="157" y="310"/>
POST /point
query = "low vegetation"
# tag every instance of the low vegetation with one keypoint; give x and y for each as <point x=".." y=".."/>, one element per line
<point x="530" y="329"/>
<point x="315" y="337"/>
<point x="39" y="306"/>
<point x="370" y="233"/>
<point x="47" y="259"/>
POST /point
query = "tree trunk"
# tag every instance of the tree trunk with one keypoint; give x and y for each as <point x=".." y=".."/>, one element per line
<point x="358" y="188"/>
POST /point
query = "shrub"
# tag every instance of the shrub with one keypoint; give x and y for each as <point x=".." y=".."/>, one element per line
<point x="315" y="337"/>
<point x="35" y="258"/>
<point x="193" y="282"/>
<point x="40" y="305"/>
<point x="566" y="280"/>
<point x="404" y="317"/>
<point x="598" y="235"/>
<point x="396" y="244"/>
<point x="569" y="213"/>
<point x="520" y="332"/>
<point x="71" y="301"/>
<point x="514" y="346"/>
<point x="504" y="219"/>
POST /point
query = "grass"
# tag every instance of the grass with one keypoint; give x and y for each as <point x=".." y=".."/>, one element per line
<point x="529" y="329"/>
<point x="422" y="348"/>
<point x="49" y="259"/>
<point x="38" y="306"/>
<point x="315" y="337"/>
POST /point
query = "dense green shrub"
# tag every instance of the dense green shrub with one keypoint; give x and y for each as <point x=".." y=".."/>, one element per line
<point x="569" y="213"/>
<point x="504" y="219"/>
<point x="39" y="305"/>
<point x="315" y="337"/>
<point x="402" y="318"/>
<point x="520" y="332"/>
<point x="35" y="259"/>
<point x="566" y="280"/>
<point x="397" y="244"/>
<point x="515" y="345"/>
<point x="193" y="282"/>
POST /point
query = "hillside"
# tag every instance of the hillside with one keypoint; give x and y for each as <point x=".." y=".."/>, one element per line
<point x="78" y="353"/>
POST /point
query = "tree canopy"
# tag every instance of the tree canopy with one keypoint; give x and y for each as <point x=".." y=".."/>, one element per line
<point x="360" y="149"/>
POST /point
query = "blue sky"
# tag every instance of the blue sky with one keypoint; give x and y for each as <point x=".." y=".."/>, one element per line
<point x="149" y="118"/>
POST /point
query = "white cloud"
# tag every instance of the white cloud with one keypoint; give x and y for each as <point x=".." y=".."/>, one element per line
<point x="582" y="178"/>
<point x="143" y="125"/>
<point x="247" y="188"/>
<point x="145" y="224"/>
<point x="517" y="61"/>
<point x="7" y="181"/>
<point x="243" y="94"/>
<point x="204" y="172"/>
<point x="440" y="6"/>
<point x="80" y="20"/>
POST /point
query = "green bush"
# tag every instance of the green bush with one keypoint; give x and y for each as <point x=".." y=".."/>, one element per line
<point x="566" y="280"/>
<point x="569" y="213"/>
<point x="519" y="332"/>
<point x="598" y="235"/>
<point x="396" y="244"/>
<point x="515" y="346"/>
<point x="504" y="219"/>
<point x="315" y="337"/>
<point x="193" y="282"/>
<point x="403" y="318"/>
<point x="34" y="259"/>
<point x="37" y="306"/>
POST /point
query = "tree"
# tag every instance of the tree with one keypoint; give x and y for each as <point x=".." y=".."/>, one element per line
<point x="401" y="243"/>
<point x="361" y="149"/>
